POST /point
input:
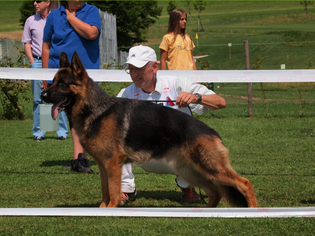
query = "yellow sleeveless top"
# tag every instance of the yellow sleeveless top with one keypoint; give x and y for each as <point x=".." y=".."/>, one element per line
<point x="178" y="53"/>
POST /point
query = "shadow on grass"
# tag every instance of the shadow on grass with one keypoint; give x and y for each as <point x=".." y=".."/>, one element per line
<point x="159" y="195"/>
<point x="150" y="199"/>
<point x="49" y="138"/>
<point x="59" y="163"/>
<point x="308" y="201"/>
<point x="79" y="205"/>
<point x="164" y="196"/>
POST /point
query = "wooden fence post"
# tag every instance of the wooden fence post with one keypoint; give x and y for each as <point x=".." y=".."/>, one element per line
<point x="249" y="85"/>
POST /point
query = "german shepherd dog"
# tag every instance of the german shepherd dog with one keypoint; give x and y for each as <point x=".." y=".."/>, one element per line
<point x="115" y="131"/>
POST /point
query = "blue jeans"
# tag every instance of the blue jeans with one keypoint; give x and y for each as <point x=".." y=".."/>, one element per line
<point x="37" y="90"/>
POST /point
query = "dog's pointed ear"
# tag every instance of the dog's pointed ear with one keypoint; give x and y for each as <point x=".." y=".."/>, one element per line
<point x="63" y="61"/>
<point x="76" y="64"/>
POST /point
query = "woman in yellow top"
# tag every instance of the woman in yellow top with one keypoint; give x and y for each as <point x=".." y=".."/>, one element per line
<point x="177" y="46"/>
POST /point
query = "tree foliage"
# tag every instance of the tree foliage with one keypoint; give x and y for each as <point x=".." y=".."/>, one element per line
<point x="188" y="7"/>
<point x="172" y="4"/>
<point x="13" y="90"/>
<point x="132" y="19"/>
<point x="305" y="4"/>
<point x="199" y="6"/>
<point x="27" y="9"/>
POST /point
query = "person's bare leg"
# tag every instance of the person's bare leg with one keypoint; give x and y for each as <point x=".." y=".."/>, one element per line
<point x="77" y="147"/>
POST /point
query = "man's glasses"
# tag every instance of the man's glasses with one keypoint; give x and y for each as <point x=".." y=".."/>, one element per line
<point x="137" y="70"/>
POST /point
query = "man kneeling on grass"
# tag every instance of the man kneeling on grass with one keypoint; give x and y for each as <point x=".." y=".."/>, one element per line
<point x="148" y="85"/>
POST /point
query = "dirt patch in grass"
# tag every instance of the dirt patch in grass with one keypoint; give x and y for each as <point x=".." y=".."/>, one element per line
<point x="243" y="97"/>
<point x="16" y="35"/>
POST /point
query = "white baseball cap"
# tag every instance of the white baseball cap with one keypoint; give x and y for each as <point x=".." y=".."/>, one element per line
<point x="140" y="55"/>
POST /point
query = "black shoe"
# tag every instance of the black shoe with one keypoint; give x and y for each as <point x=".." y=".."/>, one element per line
<point x="81" y="164"/>
<point x="128" y="197"/>
<point x="38" y="138"/>
<point x="63" y="138"/>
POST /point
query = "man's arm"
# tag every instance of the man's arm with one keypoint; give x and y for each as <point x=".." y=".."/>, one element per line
<point x="45" y="59"/>
<point x="28" y="52"/>
<point x="212" y="102"/>
<point x="89" y="32"/>
<point x="45" y="53"/>
<point x="187" y="96"/>
<point x="163" y="55"/>
<point x="193" y="60"/>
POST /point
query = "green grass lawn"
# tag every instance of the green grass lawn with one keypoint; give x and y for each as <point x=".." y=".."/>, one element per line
<point x="276" y="100"/>
<point x="267" y="26"/>
<point x="274" y="29"/>
<point x="10" y="15"/>
<point x="275" y="154"/>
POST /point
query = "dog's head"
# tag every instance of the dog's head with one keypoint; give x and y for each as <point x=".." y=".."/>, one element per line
<point x="67" y="83"/>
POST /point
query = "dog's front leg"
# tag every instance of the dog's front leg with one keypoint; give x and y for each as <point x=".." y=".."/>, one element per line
<point x="113" y="168"/>
<point x="104" y="182"/>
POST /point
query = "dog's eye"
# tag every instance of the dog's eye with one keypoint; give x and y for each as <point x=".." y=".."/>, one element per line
<point x="62" y="84"/>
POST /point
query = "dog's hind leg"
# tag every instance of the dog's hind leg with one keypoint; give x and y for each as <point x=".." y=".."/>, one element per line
<point x="196" y="177"/>
<point x="228" y="184"/>
<point x="213" y="173"/>
<point x="238" y="191"/>
<point x="215" y="163"/>
<point x="213" y="194"/>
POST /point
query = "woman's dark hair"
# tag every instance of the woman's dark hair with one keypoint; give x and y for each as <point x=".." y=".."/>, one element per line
<point x="173" y="22"/>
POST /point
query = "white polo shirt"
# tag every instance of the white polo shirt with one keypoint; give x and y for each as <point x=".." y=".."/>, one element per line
<point x="169" y="88"/>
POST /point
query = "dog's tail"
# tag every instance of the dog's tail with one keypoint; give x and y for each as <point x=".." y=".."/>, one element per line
<point x="234" y="196"/>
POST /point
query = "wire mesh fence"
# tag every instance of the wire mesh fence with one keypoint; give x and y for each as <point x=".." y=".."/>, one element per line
<point x="10" y="48"/>
<point x="270" y="100"/>
<point x="271" y="55"/>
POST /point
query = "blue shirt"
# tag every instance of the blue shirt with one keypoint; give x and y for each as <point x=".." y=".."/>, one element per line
<point x="64" y="38"/>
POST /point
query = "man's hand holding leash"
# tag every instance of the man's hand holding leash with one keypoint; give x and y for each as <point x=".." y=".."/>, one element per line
<point x="212" y="102"/>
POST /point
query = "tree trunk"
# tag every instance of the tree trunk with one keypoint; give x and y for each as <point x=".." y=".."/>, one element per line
<point x="190" y="16"/>
<point x="199" y="21"/>
<point x="305" y="8"/>
<point x="202" y="26"/>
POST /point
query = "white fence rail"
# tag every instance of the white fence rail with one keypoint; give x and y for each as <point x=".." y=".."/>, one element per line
<point x="276" y="212"/>
<point x="216" y="76"/>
